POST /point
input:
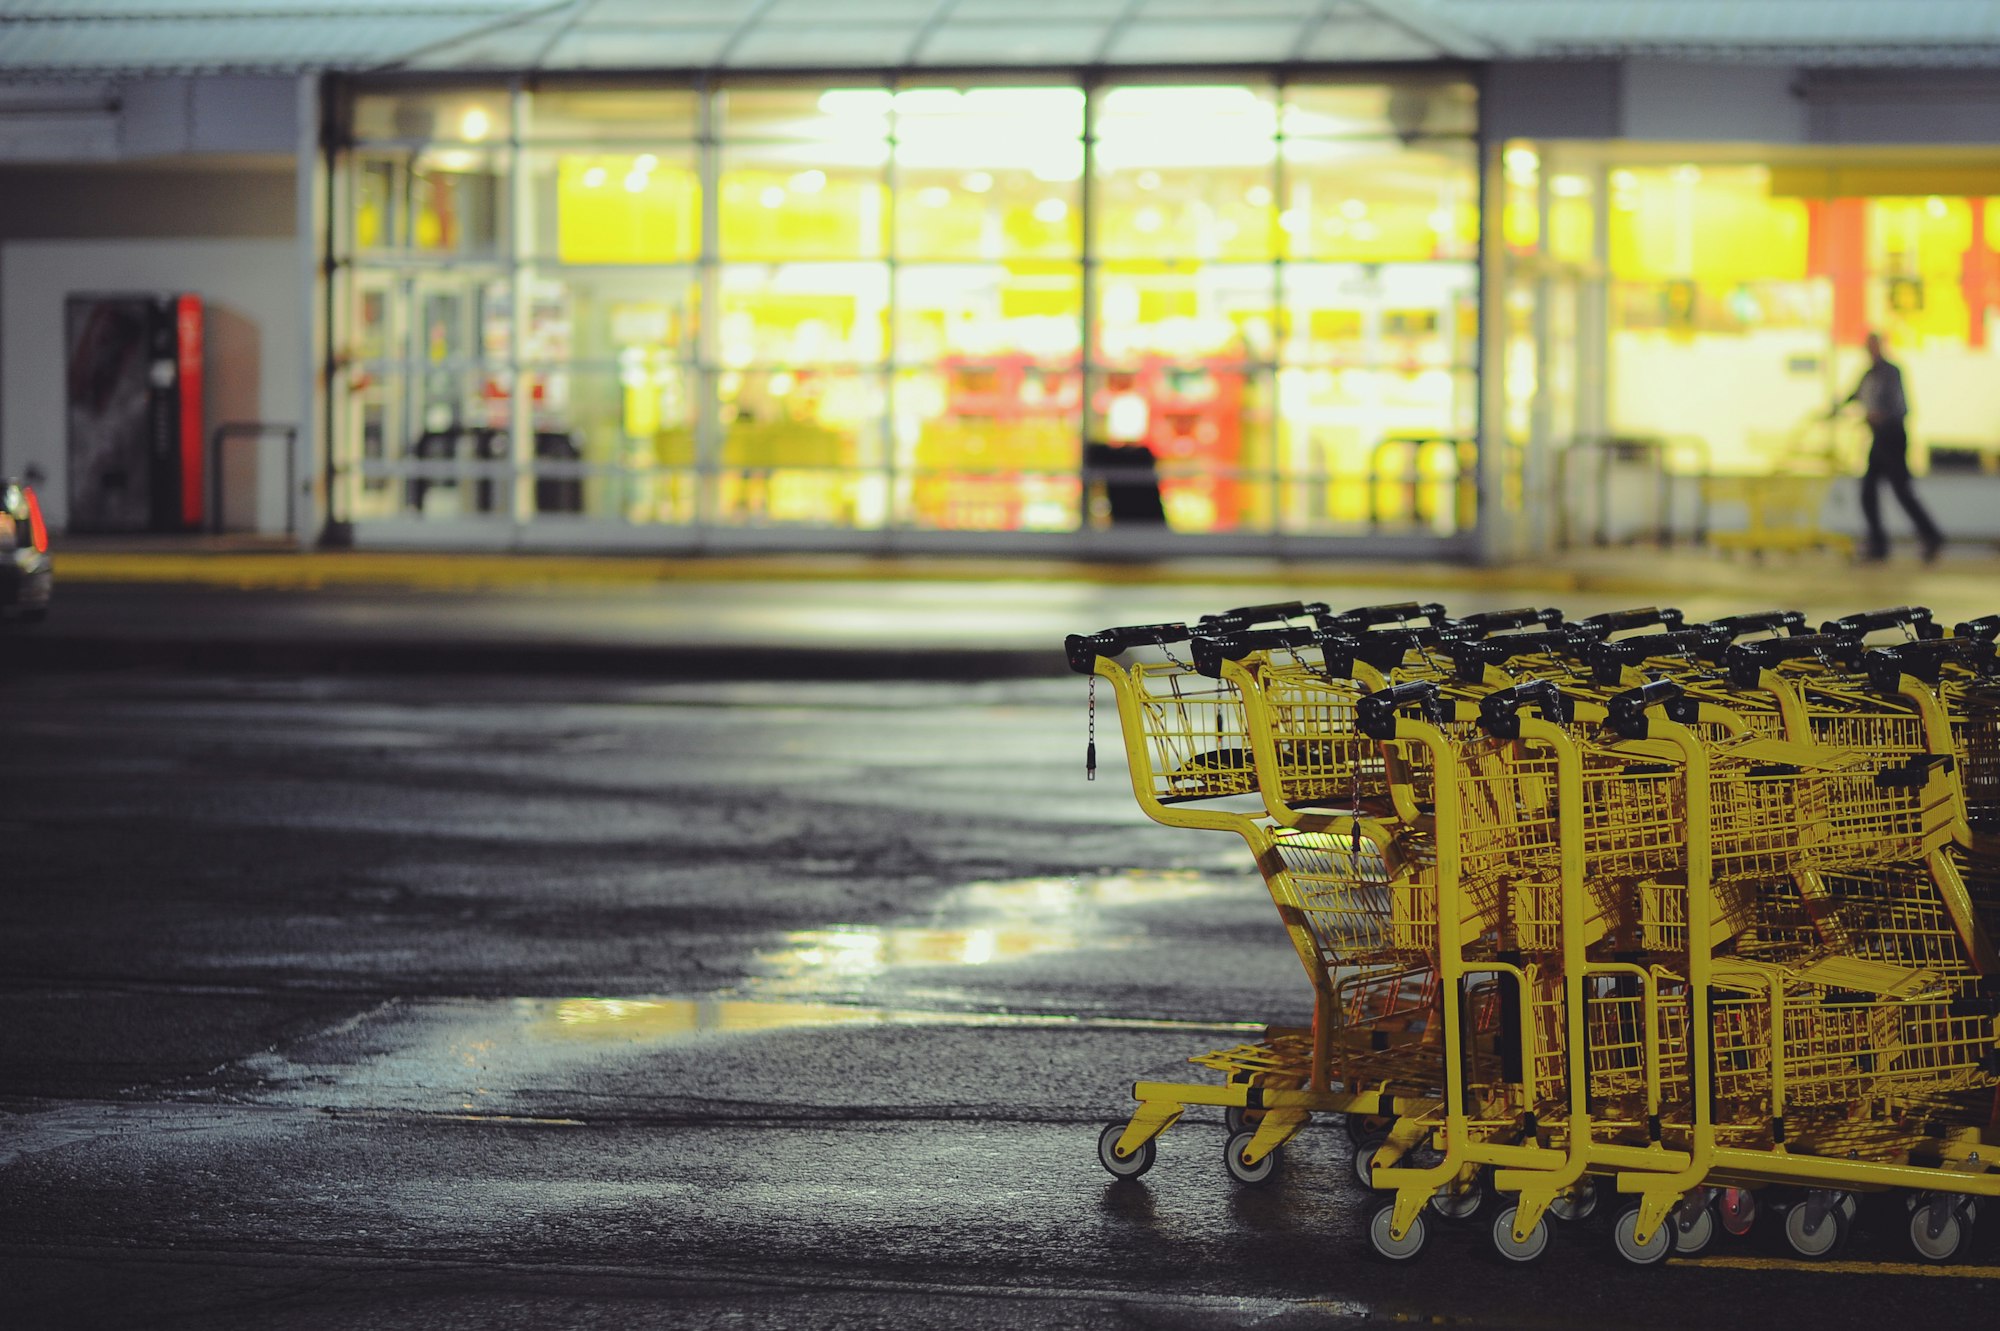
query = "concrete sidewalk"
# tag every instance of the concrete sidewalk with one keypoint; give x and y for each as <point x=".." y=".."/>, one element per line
<point x="222" y="607"/>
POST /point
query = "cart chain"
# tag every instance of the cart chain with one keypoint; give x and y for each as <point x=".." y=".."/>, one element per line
<point x="1090" y="749"/>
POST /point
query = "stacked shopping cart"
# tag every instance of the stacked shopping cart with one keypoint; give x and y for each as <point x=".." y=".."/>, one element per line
<point x="1687" y="915"/>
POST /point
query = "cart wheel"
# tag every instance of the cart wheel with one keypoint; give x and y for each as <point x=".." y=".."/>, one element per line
<point x="1692" y="1236"/>
<point x="1625" y="1237"/>
<point x="1123" y="1166"/>
<point x="1454" y="1202"/>
<point x="1578" y="1203"/>
<point x="1364" y="1155"/>
<point x="1968" y="1207"/>
<point x="1360" y="1127"/>
<point x="1939" y="1240"/>
<point x="1521" y="1250"/>
<point x="1232" y="1159"/>
<point x="1411" y="1244"/>
<point x="1815" y="1241"/>
<point x="1737" y="1211"/>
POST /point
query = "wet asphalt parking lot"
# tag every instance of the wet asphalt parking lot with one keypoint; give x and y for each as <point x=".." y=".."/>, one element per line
<point x="373" y="1000"/>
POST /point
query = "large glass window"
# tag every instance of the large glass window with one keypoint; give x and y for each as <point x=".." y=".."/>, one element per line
<point x="944" y="305"/>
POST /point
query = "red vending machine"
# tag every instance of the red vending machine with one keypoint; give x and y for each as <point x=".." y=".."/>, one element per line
<point x="134" y="384"/>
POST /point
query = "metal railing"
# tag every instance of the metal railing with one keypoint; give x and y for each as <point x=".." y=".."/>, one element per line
<point x="1397" y="466"/>
<point x="1587" y="474"/>
<point x="258" y="430"/>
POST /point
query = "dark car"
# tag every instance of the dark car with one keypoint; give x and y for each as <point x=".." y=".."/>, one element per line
<point x="27" y="574"/>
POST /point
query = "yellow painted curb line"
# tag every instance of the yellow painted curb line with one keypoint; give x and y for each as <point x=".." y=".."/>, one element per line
<point x="1843" y="1268"/>
<point x="456" y="572"/>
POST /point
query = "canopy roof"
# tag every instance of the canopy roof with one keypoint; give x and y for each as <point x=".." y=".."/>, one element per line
<point x="99" y="38"/>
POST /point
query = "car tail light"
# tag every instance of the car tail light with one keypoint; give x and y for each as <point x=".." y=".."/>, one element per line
<point x="36" y="527"/>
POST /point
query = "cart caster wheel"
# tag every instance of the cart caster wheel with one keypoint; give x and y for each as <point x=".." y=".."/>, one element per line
<point x="1692" y="1236"/>
<point x="1360" y="1127"/>
<point x="1232" y="1159"/>
<point x="1518" y="1250"/>
<point x="1737" y="1211"/>
<point x="1625" y="1237"/>
<point x="1939" y="1240"/>
<point x="1127" y="1166"/>
<point x="1452" y="1202"/>
<point x="1390" y="1249"/>
<point x="1364" y="1155"/>
<point x="1967" y="1207"/>
<point x="1579" y="1203"/>
<point x="1811" y="1241"/>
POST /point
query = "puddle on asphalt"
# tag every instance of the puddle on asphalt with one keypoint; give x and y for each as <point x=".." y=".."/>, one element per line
<point x="641" y="1020"/>
<point x="976" y="925"/>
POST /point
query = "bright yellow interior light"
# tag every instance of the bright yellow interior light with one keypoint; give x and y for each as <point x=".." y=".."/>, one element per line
<point x="475" y="124"/>
<point x="857" y="102"/>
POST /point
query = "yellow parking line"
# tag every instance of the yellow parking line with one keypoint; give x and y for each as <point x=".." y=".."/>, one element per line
<point x="1846" y="1268"/>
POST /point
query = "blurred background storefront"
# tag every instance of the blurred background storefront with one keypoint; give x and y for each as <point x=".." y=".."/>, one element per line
<point x="1681" y="316"/>
<point x="822" y="308"/>
<point x="1443" y="278"/>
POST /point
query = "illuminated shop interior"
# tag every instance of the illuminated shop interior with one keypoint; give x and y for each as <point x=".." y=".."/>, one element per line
<point x="1717" y="298"/>
<point x="859" y="307"/>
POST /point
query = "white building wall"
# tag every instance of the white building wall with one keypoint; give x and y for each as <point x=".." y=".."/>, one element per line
<point x="255" y="323"/>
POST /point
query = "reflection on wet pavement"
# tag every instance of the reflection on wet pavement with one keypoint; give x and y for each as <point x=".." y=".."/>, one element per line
<point x="628" y="1021"/>
<point x="492" y="1057"/>
<point x="976" y="925"/>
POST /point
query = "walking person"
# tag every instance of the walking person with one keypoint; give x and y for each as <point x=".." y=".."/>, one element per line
<point x="1880" y="394"/>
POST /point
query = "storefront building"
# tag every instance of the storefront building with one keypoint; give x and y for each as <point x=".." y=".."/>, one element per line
<point x="1311" y="277"/>
<point x="925" y="311"/>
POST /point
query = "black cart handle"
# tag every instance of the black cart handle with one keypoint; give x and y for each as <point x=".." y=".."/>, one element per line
<point x="1639" y="617"/>
<point x="1083" y="649"/>
<point x="1375" y="714"/>
<point x="1375" y="616"/>
<point x="1916" y="618"/>
<point x="1249" y="616"/>
<point x="1471" y="658"/>
<point x="1385" y="649"/>
<point x="1211" y="650"/>
<point x="1500" y="712"/>
<point x="1607" y="660"/>
<point x="1793" y="622"/>
<point x="1925" y="660"/>
<point x="1502" y="621"/>
<point x="1745" y="661"/>
<point x="1626" y="712"/>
